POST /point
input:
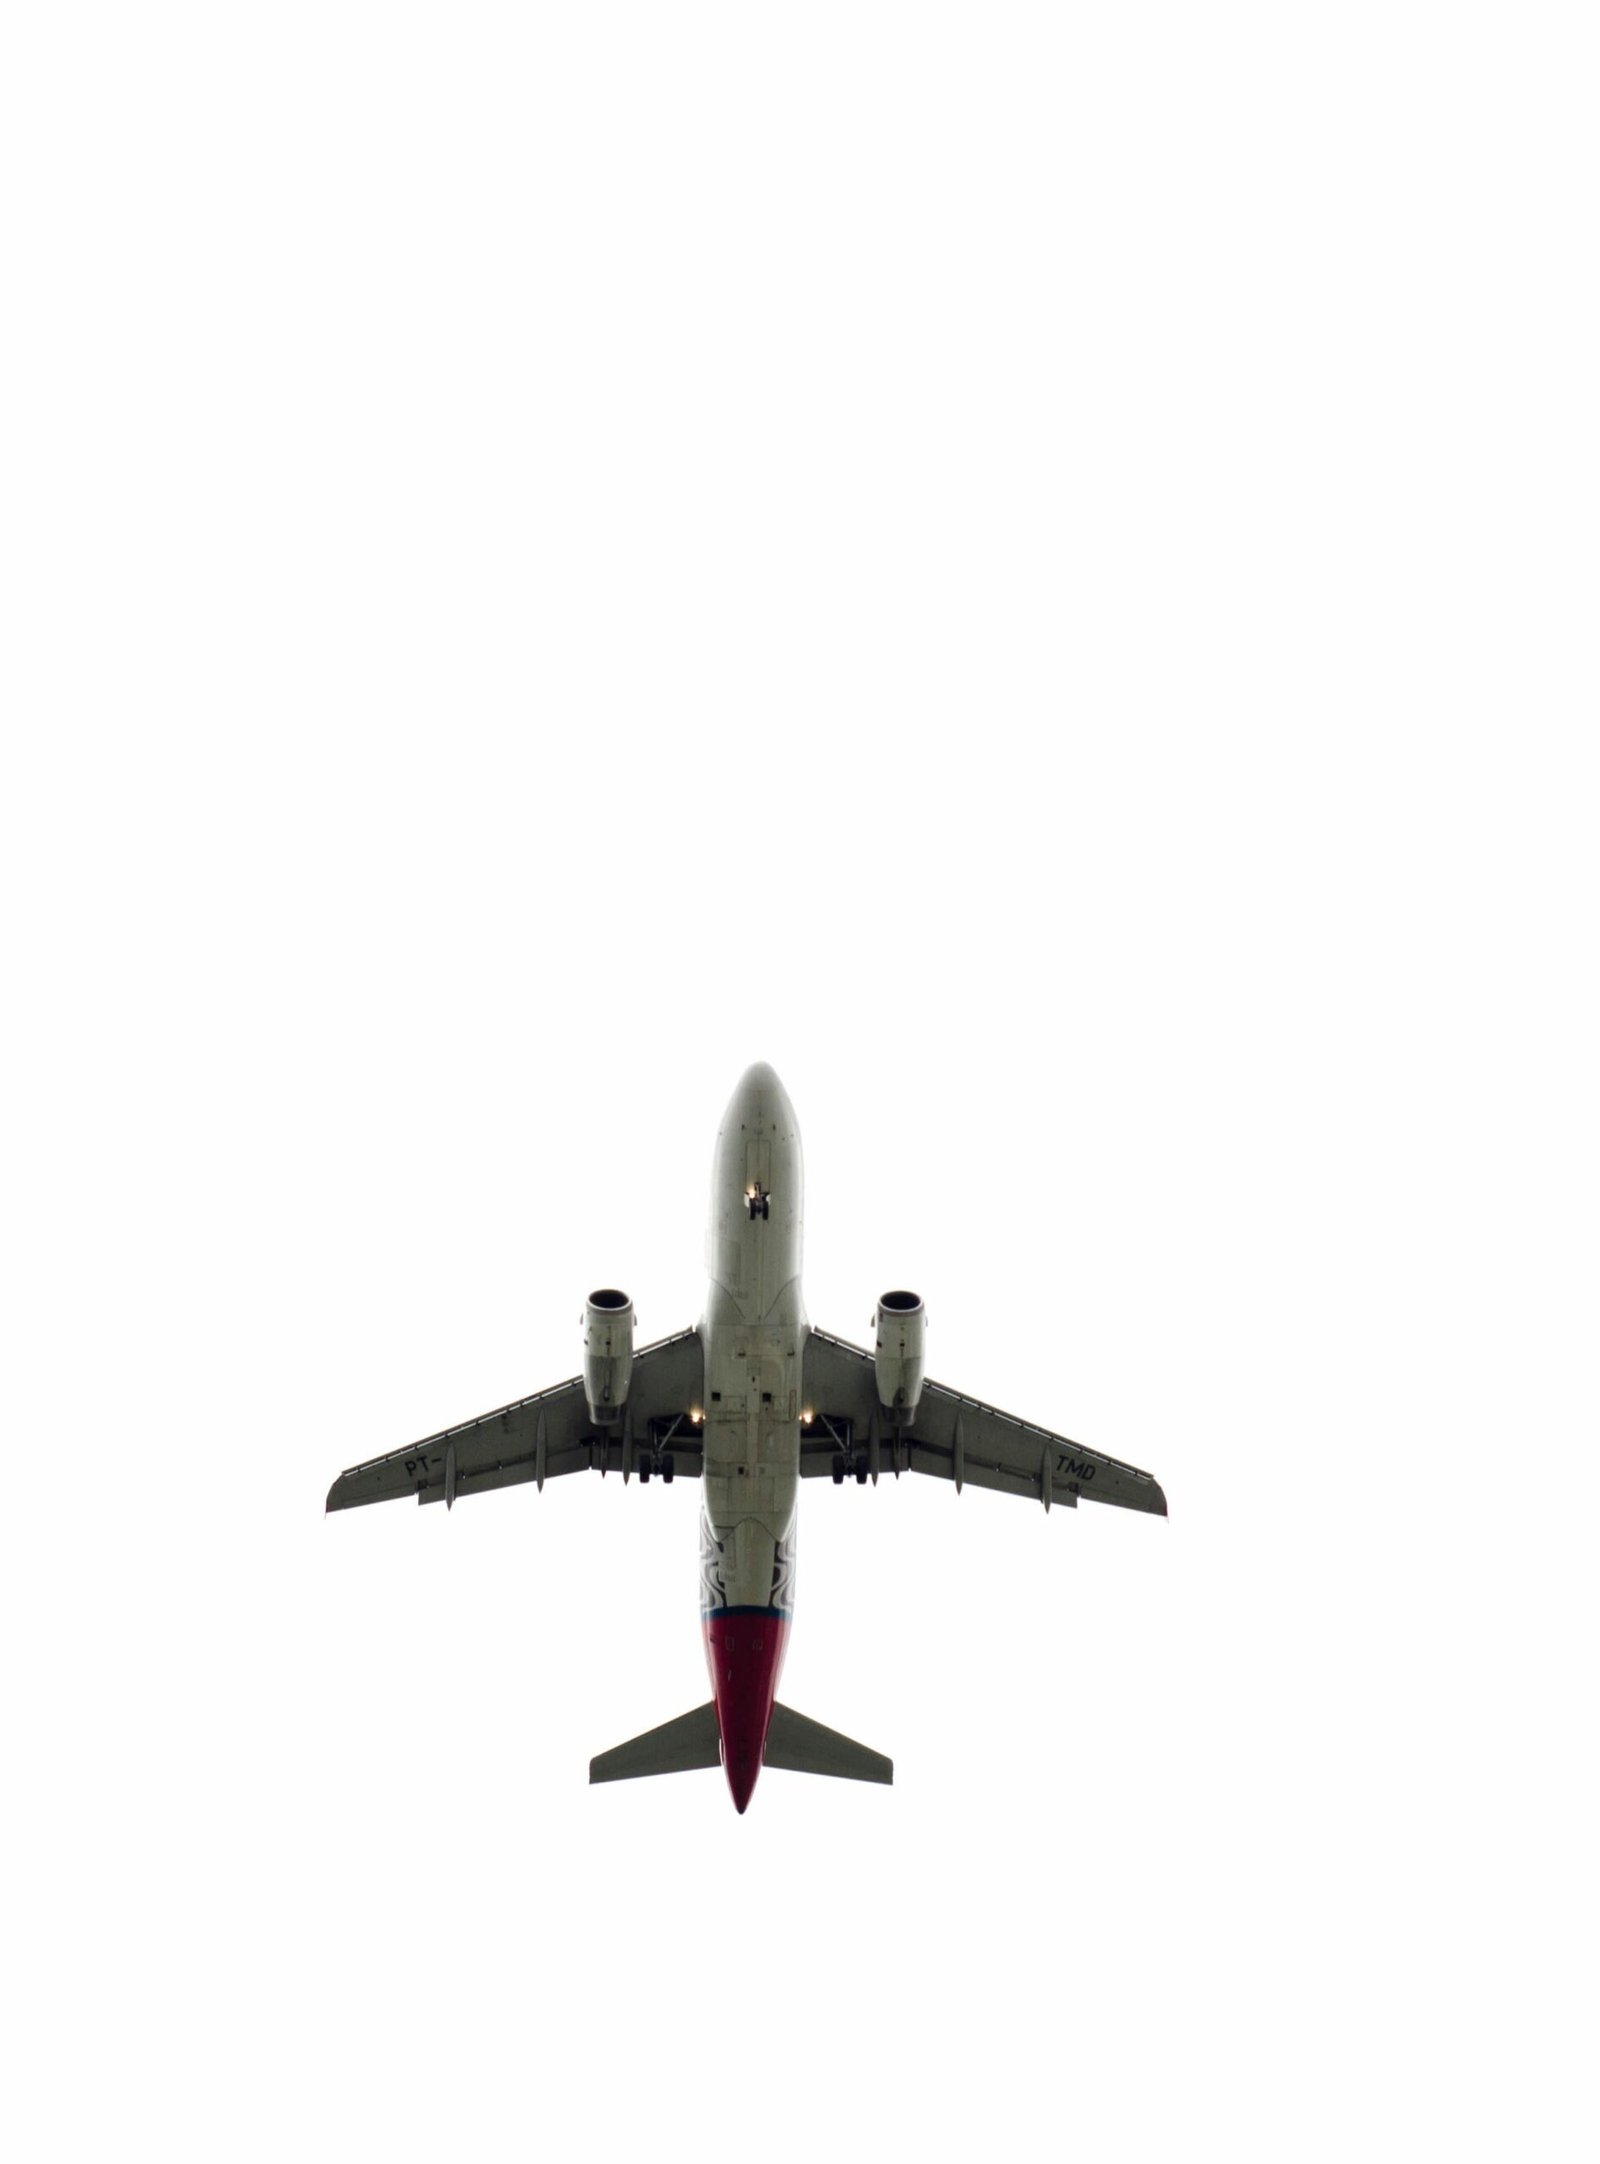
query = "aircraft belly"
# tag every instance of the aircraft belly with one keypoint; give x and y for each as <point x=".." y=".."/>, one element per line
<point x="748" y="1511"/>
<point x="754" y="1491"/>
<point x="754" y="1334"/>
<point x="751" y="1466"/>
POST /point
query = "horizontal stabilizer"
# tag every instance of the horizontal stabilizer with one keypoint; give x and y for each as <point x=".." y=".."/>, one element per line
<point x="680" y="1746"/>
<point x="797" y="1745"/>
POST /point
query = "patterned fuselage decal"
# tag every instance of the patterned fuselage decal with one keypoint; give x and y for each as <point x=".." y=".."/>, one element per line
<point x="714" y="1573"/>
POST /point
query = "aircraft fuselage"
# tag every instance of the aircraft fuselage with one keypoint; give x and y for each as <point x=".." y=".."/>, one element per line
<point x="754" y="1333"/>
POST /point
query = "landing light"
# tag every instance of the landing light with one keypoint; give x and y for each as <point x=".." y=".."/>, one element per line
<point x="696" y="1415"/>
<point x="808" y="1418"/>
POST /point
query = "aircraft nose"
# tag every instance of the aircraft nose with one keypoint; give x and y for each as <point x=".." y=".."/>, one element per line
<point x="760" y="1096"/>
<point x="763" y="1093"/>
<point x="760" y="1081"/>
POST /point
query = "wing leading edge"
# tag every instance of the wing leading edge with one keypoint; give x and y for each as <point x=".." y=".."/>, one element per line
<point x="953" y="1437"/>
<point x="541" y="1437"/>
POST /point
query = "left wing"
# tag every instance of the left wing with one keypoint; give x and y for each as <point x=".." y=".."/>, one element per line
<point x="952" y="1436"/>
<point x="551" y="1433"/>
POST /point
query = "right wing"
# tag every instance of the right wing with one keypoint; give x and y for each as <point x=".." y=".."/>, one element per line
<point x="953" y="1437"/>
<point x="551" y="1433"/>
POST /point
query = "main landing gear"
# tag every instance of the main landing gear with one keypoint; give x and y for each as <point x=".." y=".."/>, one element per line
<point x="664" y="1465"/>
<point x="855" y="1463"/>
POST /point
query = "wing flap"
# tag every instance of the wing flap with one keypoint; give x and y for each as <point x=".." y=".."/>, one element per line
<point x="976" y="1473"/>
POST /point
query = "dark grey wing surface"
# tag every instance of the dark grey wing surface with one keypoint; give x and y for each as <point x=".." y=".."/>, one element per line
<point x="954" y="1437"/>
<point x="541" y="1437"/>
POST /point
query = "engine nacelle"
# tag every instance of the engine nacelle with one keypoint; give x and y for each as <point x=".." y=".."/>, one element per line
<point x="899" y="1352"/>
<point x="607" y="1354"/>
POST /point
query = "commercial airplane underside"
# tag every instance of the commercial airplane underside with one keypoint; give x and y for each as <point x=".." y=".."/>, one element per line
<point x="751" y="1402"/>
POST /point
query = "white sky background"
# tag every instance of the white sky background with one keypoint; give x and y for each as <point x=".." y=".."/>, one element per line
<point x="1036" y="569"/>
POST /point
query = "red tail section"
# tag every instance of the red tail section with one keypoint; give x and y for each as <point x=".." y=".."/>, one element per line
<point x="744" y="1651"/>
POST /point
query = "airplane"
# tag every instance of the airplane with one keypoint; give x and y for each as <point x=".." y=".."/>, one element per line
<point x="751" y="1402"/>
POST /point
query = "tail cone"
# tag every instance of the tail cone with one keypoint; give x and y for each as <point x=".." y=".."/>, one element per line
<point x="744" y="1650"/>
<point x="742" y="1772"/>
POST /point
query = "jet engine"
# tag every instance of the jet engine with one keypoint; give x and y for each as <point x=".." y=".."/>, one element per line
<point x="902" y="1329"/>
<point x="607" y="1354"/>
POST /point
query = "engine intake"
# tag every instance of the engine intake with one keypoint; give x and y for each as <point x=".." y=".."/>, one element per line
<point x="607" y="1354"/>
<point x="898" y="1353"/>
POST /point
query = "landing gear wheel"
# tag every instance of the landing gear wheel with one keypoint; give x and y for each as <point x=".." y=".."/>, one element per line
<point x="861" y="1472"/>
<point x="644" y="1471"/>
<point x="838" y="1472"/>
<point x="668" y="1468"/>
